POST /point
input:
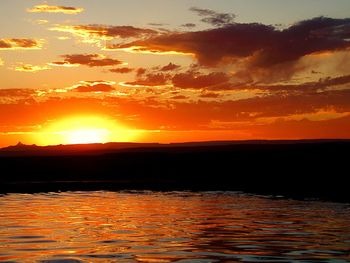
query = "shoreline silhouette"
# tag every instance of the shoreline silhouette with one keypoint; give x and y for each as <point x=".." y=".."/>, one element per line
<point x="295" y="169"/>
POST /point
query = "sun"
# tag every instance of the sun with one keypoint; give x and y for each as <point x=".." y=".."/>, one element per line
<point x="87" y="136"/>
<point x="86" y="129"/>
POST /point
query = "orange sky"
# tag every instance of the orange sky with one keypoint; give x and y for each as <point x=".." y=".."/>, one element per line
<point x="76" y="72"/>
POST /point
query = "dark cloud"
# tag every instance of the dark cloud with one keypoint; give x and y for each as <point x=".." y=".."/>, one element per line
<point x="170" y="67"/>
<point x="195" y="80"/>
<point x="20" y="43"/>
<point x="140" y="71"/>
<point x="259" y="45"/>
<point x="214" y="18"/>
<point x="189" y="25"/>
<point x="90" y="60"/>
<point x="121" y="70"/>
<point x="308" y="87"/>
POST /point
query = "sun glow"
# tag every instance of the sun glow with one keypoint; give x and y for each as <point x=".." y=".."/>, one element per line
<point x="86" y="129"/>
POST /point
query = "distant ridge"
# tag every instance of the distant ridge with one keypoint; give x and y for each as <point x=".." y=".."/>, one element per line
<point x="21" y="149"/>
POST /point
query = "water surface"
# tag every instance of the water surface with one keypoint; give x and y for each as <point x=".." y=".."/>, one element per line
<point x="170" y="227"/>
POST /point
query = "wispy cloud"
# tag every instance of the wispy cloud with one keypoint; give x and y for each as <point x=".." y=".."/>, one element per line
<point x="97" y="33"/>
<point x="55" y="9"/>
<point x="30" y="68"/>
<point x="212" y="17"/>
<point x="90" y="60"/>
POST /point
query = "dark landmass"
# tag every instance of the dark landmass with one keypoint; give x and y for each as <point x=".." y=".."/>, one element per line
<point x="298" y="169"/>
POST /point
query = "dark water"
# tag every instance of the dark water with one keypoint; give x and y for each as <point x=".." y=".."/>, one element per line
<point x="170" y="227"/>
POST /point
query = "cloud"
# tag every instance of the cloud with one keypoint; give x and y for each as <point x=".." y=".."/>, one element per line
<point x="90" y="60"/>
<point x="104" y="32"/>
<point x="13" y="96"/>
<point x="93" y="86"/>
<point x="121" y="70"/>
<point x="189" y="25"/>
<point x="157" y="24"/>
<point x="195" y="80"/>
<point x="41" y="21"/>
<point x="20" y="43"/>
<point x="322" y="84"/>
<point x="30" y="68"/>
<point x="179" y="97"/>
<point x="140" y="71"/>
<point x="151" y="79"/>
<point x="55" y="9"/>
<point x="214" y="18"/>
<point x="16" y="92"/>
<point x="257" y="45"/>
<point x="170" y="67"/>
<point x="1" y="62"/>
<point x="305" y="115"/>
<point x="210" y="95"/>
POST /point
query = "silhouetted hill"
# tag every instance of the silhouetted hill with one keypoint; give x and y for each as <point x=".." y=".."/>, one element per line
<point x="305" y="169"/>
<point x="21" y="149"/>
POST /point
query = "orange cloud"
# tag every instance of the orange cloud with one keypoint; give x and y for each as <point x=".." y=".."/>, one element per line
<point x="55" y="9"/>
<point x="94" y="86"/>
<point x="170" y="67"/>
<point x="151" y="79"/>
<point x="121" y="70"/>
<point x="14" y="96"/>
<point x="210" y="95"/>
<point x="307" y="115"/>
<point x="20" y="43"/>
<point x="185" y="115"/>
<point x="1" y="62"/>
<point x="30" y="68"/>
<point x="90" y="60"/>
<point x="83" y="86"/>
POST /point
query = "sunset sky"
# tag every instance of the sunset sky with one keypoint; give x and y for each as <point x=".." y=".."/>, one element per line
<point x="173" y="71"/>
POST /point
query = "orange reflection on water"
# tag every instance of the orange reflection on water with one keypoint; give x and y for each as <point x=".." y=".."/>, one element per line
<point x="169" y="227"/>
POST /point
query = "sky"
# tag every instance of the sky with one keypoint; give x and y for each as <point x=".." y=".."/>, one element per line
<point x="87" y="71"/>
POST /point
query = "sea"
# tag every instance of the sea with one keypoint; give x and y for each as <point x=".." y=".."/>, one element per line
<point x="184" y="226"/>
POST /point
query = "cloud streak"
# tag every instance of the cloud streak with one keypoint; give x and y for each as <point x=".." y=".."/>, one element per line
<point x="214" y="18"/>
<point x="90" y="60"/>
<point x="55" y="9"/>
<point x="104" y="32"/>
<point x="31" y="68"/>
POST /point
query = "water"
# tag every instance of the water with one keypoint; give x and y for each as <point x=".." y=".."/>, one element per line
<point x="170" y="227"/>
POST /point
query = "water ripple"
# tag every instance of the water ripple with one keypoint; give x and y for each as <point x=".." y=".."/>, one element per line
<point x="146" y="226"/>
